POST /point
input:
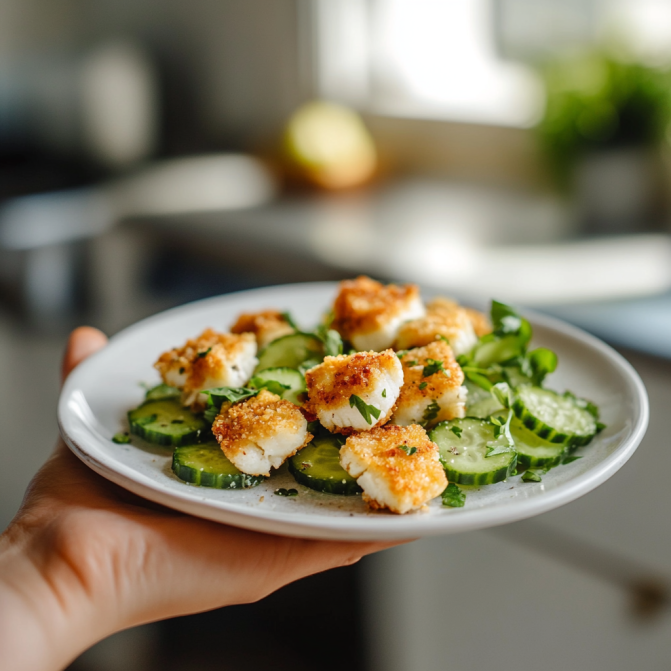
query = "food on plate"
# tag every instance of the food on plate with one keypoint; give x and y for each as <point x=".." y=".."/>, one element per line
<point x="210" y="360"/>
<point x="267" y="325"/>
<point x="369" y="314"/>
<point x="443" y="318"/>
<point x="349" y="413"/>
<point x="354" y="392"/>
<point x="398" y="467"/>
<point x="432" y="388"/>
<point x="261" y="432"/>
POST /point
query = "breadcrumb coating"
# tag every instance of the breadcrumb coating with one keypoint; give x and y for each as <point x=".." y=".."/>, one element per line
<point x="398" y="479"/>
<point x="442" y="388"/>
<point x="444" y="318"/>
<point x="480" y="321"/>
<point x="374" y="377"/>
<point x="267" y="325"/>
<point x="211" y="360"/>
<point x="260" y="433"/>
<point x="369" y="314"/>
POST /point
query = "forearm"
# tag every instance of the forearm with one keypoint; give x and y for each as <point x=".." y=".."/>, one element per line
<point x="42" y="627"/>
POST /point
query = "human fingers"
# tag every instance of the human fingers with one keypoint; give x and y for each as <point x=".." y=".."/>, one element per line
<point x="83" y="342"/>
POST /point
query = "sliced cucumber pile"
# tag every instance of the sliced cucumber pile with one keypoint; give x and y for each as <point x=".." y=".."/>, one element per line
<point x="554" y="417"/>
<point x="291" y="351"/>
<point x="167" y="422"/>
<point x="292" y="381"/>
<point x="463" y="445"/>
<point x="533" y="451"/>
<point x="206" y="465"/>
<point x="317" y="466"/>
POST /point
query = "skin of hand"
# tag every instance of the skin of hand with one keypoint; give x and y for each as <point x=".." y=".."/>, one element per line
<point x="84" y="558"/>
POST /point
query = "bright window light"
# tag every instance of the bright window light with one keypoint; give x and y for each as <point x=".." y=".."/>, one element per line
<point x="440" y="55"/>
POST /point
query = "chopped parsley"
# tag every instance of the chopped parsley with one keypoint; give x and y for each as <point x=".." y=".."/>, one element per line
<point x="181" y="370"/>
<point x="443" y="338"/>
<point x="407" y="449"/>
<point x="202" y="355"/>
<point x="432" y="367"/>
<point x="423" y="385"/>
<point x="365" y="409"/>
<point x="453" y="497"/>
<point x="286" y="492"/>
<point x="384" y="393"/>
<point x="456" y="430"/>
<point x="273" y="386"/>
<point x="401" y="353"/>
<point x="430" y="413"/>
<point x="121" y="438"/>
<point x="231" y="394"/>
<point x="411" y="363"/>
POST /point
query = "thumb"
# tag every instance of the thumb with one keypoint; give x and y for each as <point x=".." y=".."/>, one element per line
<point x="83" y="342"/>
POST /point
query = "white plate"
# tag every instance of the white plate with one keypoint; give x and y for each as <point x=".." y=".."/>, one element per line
<point x="96" y="396"/>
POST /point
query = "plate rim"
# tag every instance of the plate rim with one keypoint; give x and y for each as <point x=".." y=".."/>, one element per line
<point x="384" y="527"/>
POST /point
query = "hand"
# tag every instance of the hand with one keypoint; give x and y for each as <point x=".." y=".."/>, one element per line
<point x="84" y="558"/>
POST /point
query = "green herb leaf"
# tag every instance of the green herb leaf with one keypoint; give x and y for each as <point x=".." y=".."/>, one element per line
<point x="231" y="394"/>
<point x="432" y="367"/>
<point x="457" y="431"/>
<point x="365" y="409"/>
<point x="286" y="492"/>
<point x="430" y="413"/>
<point x="121" y="438"/>
<point x="532" y="476"/>
<point x="384" y="393"/>
<point x="423" y="385"/>
<point x="542" y="362"/>
<point x="443" y="338"/>
<point x="202" y="355"/>
<point x="411" y="363"/>
<point x="401" y="353"/>
<point x="332" y="343"/>
<point x="289" y="320"/>
<point x="600" y="426"/>
<point x="407" y="450"/>
<point x="453" y="497"/>
<point x="211" y="413"/>
<point x="272" y="386"/>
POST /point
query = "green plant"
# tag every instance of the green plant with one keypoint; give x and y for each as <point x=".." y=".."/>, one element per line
<point x="596" y="102"/>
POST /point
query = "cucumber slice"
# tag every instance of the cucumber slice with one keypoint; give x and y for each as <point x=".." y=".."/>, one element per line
<point x="289" y="377"/>
<point x="317" y="466"/>
<point x="533" y="451"/>
<point x="290" y="351"/>
<point x="463" y="452"/>
<point x="167" y="422"/>
<point x="480" y="402"/>
<point x="554" y="417"/>
<point x="162" y="391"/>
<point x="206" y="465"/>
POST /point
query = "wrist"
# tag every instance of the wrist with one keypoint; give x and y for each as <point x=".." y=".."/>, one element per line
<point x="46" y="620"/>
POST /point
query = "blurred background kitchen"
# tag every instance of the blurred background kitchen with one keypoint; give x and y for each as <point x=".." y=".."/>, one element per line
<point x="154" y="152"/>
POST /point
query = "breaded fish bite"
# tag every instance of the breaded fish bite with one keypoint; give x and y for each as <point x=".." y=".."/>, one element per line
<point x="354" y="392"/>
<point x="432" y="386"/>
<point x="443" y="318"/>
<point x="369" y="314"/>
<point x="480" y="321"/>
<point x="210" y="360"/>
<point x="260" y="433"/>
<point x="267" y="326"/>
<point x="396" y="466"/>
